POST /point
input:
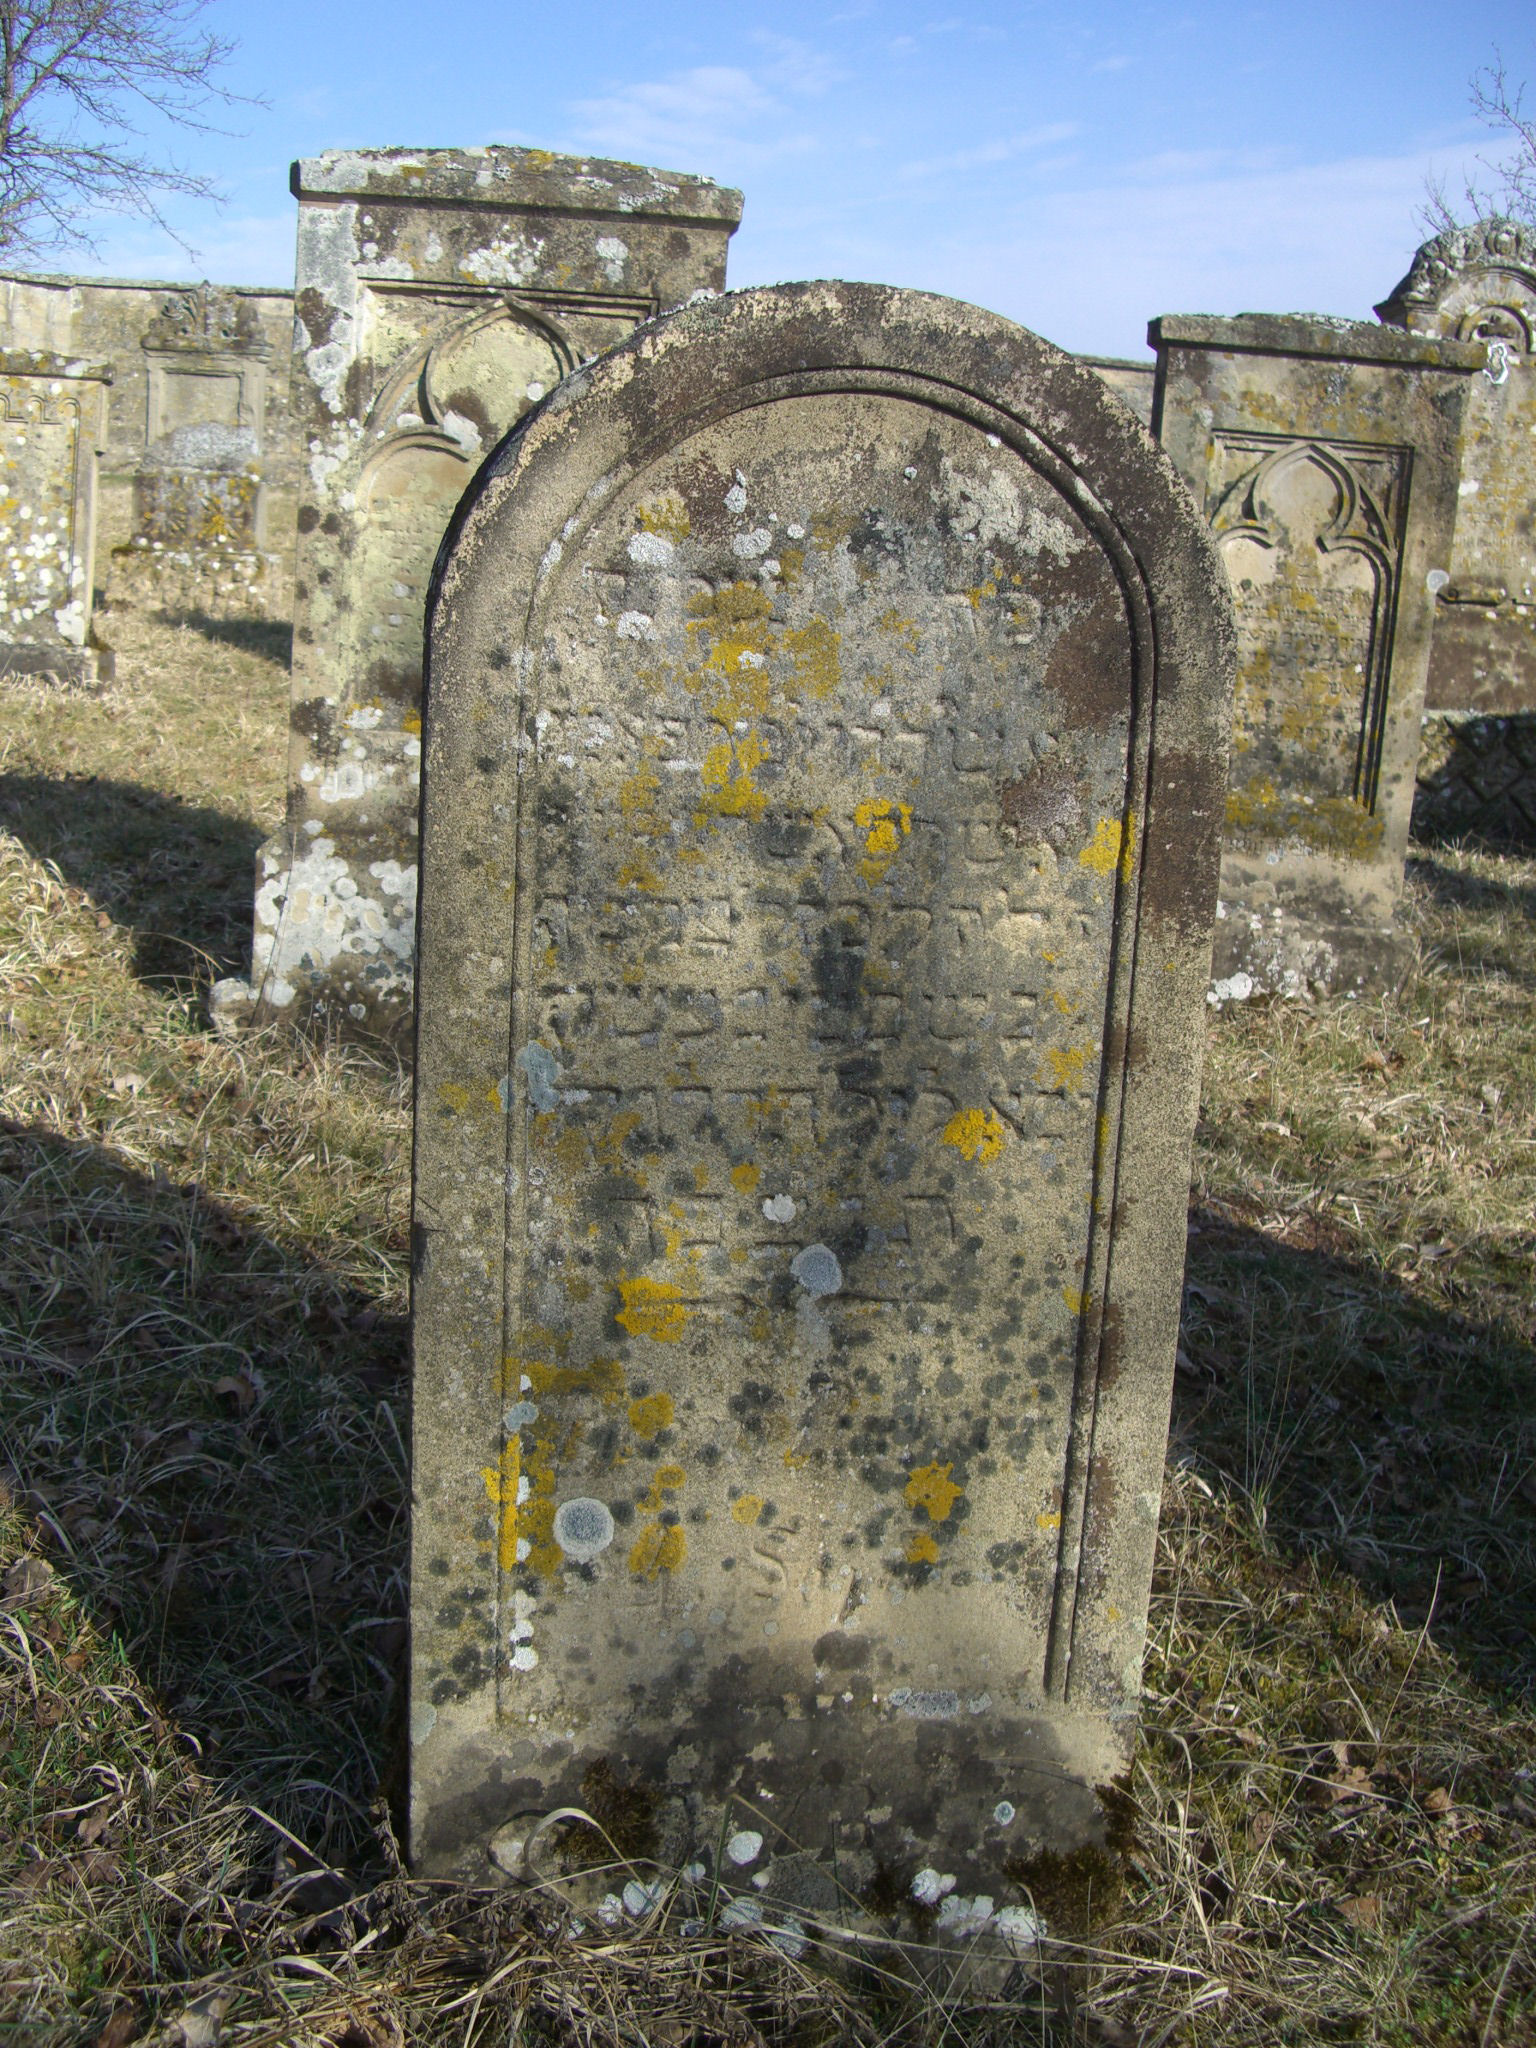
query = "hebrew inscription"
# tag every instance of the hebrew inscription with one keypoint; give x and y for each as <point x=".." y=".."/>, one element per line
<point x="772" y="1084"/>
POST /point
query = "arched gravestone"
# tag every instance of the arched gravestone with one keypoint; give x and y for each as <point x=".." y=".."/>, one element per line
<point x="1478" y="284"/>
<point x="824" y="762"/>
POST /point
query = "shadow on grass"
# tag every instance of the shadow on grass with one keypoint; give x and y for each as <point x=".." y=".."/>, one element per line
<point x="1460" y="889"/>
<point x="211" y="1430"/>
<point x="178" y="876"/>
<point x="1395" y="1436"/>
<point x="270" y="638"/>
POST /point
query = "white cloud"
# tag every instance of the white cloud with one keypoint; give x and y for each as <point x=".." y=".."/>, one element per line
<point x="997" y="152"/>
<point x="692" y="118"/>
<point x="1088" y="266"/>
<point x="248" y="249"/>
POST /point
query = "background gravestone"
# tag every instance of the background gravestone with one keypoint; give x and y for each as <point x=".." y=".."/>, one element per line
<point x="438" y="294"/>
<point x="825" y="747"/>
<point x="158" y="339"/>
<point x="1477" y="769"/>
<point x="200" y="536"/>
<point x="1326" y="457"/>
<point x="51" y="431"/>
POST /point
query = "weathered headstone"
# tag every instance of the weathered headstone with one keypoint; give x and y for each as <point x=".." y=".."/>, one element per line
<point x="439" y="294"/>
<point x="1326" y="456"/>
<point x="52" y="427"/>
<point x="200" y="537"/>
<point x="1477" y="767"/>
<point x="825" y="752"/>
<point x="183" y="360"/>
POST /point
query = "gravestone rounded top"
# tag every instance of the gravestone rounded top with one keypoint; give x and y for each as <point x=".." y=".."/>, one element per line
<point x="824" y="756"/>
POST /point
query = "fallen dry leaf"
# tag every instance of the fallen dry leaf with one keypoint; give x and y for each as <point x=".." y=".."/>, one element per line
<point x="28" y="1577"/>
<point x="119" y="2030"/>
<point x="1437" y="1804"/>
<point x="202" y="2023"/>
<point x="1363" y="1911"/>
<point x="93" y="1825"/>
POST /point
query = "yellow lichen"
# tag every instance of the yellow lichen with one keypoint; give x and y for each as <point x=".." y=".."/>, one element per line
<point x="651" y="1414"/>
<point x="652" y="1308"/>
<point x="921" y="1549"/>
<point x="457" y="1097"/>
<point x="1104" y="850"/>
<point x="666" y="515"/>
<point x="816" y="651"/>
<point x="726" y="773"/>
<point x="1047" y="1522"/>
<point x="884" y="825"/>
<point x="666" y="1479"/>
<point x="931" y="1487"/>
<point x="744" y="1178"/>
<point x="501" y="1488"/>
<point x="746" y="1508"/>
<point x="660" y="1547"/>
<point x="602" y="1376"/>
<point x="609" y="1148"/>
<point x="1062" y="1069"/>
<point x="976" y="1134"/>
<point x="1077" y="1299"/>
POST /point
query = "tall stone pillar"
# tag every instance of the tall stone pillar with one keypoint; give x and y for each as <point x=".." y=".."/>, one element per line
<point x="1477" y="763"/>
<point x="53" y="416"/>
<point x="439" y="295"/>
<point x="1325" y="456"/>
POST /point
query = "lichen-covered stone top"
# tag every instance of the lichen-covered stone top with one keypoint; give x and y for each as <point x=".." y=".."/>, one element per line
<point x="507" y="177"/>
<point x="41" y="362"/>
<point x="1311" y="334"/>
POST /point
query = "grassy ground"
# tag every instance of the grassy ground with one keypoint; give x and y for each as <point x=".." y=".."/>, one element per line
<point x="202" y="1529"/>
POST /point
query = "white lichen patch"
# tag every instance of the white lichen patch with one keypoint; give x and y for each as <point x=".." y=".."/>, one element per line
<point x="612" y="254"/>
<point x="506" y="259"/>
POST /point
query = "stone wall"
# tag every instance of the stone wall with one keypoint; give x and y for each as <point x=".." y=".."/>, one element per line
<point x="195" y="498"/>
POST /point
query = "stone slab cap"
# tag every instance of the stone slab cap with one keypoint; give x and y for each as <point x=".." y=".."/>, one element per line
<point x="41" y="362"/>
<point x="825" y="747"/>
<point x="1312" y="334"/>
<point x="515" y="179"/>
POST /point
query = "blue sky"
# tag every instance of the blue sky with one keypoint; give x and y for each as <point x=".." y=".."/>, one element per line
<point x="1077" y="167"/>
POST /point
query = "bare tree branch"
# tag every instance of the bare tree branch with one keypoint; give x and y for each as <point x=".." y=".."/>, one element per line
<point x="78" y="79"/>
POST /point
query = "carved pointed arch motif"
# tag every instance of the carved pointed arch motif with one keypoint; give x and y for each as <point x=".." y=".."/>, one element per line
<point x="1315" y="637"/>
<point x="433" y="423"/>
<point x="419" y="399"/>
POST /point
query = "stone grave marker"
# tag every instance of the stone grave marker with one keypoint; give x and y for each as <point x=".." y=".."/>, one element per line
<point x="53" y="425"/>
<point x="1477" y="760"/>
<point x="438" y="295"/>
<point x="1478" y="284"/>
<point x="1325" y="455"/>
<point x="200" y="538"/>
<point x="824" y="759"/>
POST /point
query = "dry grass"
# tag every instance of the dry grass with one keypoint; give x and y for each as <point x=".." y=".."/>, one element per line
<point x="201" y="1425"/>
